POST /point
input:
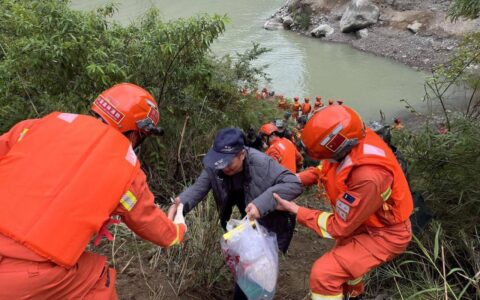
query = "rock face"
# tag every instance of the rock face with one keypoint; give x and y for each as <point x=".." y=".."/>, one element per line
<point x="322" y="30"/>
<point x="358" y="15"/>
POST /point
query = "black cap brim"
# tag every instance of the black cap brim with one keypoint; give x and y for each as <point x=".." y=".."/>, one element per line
<point x="217" y="160"/>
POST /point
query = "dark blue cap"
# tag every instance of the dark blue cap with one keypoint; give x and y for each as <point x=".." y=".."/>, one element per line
<point x="228" y="143"/>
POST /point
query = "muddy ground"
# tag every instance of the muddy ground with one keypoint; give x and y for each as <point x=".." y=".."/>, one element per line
<point x="431" y="45"/>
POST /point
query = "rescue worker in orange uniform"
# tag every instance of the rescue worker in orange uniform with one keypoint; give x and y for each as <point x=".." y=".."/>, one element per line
<point x="318" y="104"/>
<point x="265" y="93"/>
<point x="63" y="177"/>
<point x="296" y="108"/>
<point x="280" y="149"/>
<point x="299" y="129"/>
<point x="306" y="107"/>
<point x="282" y="103"/>
<point x="370" y="198"/>
<point x="397" y="124"/>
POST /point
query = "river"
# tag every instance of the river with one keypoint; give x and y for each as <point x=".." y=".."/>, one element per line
<point x="297" y="65"/>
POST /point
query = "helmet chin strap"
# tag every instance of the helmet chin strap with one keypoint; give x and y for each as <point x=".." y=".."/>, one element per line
<point x="136" y="139"/>
<point x="344" y="149"/>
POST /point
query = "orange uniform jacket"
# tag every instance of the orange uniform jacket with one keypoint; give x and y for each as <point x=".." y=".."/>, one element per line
<point x="282" y="104"/>
<point x="306" y="108"/>
<point x="296" y="107"/>
<point x="136" y="207"/>
<point x="368" y="192"/>
<point x="318" y="104"/>
<point x="285" y="153"/>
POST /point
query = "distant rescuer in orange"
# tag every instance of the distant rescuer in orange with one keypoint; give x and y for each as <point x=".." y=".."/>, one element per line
<point x="282" y="102"/>
<point x="370" y="198"/>
<point x="318" y="104"/>
<point x="397" y="124"/>
<point x="280" y="149"/>
<point x="63" y="177"/>
<point x="306" y="107"/>
<point x="296" y="108"/>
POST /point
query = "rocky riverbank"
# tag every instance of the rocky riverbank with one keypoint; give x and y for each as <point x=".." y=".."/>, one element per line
<point x="416" y="33"/>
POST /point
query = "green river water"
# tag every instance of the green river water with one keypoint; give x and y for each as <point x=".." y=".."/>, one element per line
<point x="298" y="65"/>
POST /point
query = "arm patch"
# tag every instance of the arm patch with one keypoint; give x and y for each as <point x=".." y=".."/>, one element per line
<point x="342" y="210"/>
<point x="349" y="198"/>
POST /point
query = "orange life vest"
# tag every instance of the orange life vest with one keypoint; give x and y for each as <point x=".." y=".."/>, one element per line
<point x="288" y="150"/>
<point x="296" y="107"/>
<point x="61" y="182"/>
<point x="306" y="108"/>
<point x="372" y="150"/>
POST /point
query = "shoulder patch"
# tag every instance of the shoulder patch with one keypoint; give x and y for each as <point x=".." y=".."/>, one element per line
<point x="349" y="198"/>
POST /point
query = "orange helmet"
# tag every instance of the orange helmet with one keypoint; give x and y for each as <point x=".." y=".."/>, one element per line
<point x="128" y="107"/>
<point x="332" y="132"/>
<point x="268" y="129"/>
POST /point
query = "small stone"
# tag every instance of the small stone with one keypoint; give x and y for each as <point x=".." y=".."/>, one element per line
<point x="414" y="27"/>
<point x="363" y="33"/>
<point x="322" y="30"/>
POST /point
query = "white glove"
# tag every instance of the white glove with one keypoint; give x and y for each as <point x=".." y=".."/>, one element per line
<point x="179" y="218"/>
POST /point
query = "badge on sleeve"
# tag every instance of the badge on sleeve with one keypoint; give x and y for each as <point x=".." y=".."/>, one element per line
<point x="349" y="198"/>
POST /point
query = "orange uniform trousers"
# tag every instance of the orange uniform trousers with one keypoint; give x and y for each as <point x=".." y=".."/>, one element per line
<point x="340" y="271"/>
<point x="89" y="279"/>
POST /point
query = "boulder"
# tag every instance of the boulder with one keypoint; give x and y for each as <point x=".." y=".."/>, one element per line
<point x="362" y="33"/>
<point x="272" y="25"/>
<point x="322" y="30"/>
<point x="358" y="15"/>
<point x="287" y="22"/>
<point x="414" y="27"/>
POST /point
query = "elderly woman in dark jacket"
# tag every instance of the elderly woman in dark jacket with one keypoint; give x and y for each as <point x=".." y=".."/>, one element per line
<point x="244" y="177"/>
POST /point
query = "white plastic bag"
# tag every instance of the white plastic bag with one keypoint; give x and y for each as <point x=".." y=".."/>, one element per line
<point x="251" y="253"/>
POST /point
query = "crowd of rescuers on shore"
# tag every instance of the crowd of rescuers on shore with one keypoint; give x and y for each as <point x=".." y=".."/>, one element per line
<point x="87" y="176"/>
<point x="277" y="137"/>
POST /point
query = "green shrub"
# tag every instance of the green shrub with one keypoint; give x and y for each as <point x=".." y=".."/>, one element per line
<point x="55" y="58"/>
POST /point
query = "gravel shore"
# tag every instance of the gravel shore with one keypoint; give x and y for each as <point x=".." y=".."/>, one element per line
<point x="431" y="44"/>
